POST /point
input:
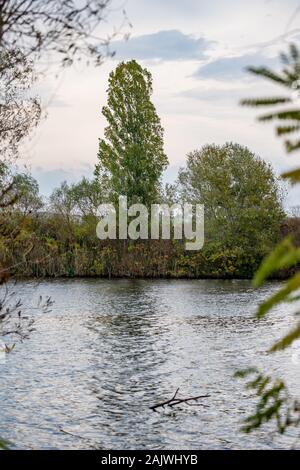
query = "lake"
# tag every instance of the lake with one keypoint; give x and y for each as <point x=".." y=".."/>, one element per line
<point x="110" y="349"/>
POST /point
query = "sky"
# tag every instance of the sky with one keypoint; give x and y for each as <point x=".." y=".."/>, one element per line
<point x="197" y="51"/>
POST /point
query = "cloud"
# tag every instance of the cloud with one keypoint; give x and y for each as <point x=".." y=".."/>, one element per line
<point x="223" y="95"/>
<point x="163" y="45"/>
<point x="231" y="68"/>
<point x="49" y="179"/>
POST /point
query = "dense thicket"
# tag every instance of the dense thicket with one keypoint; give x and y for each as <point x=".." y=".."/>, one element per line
<point x="243" y="222"/>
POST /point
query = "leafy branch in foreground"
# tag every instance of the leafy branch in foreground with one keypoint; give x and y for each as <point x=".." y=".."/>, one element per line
<point x="13" y="322"/>
<point x="3" y="444"/>
<point x="274" y="400"/>
<point x="287" y="119"/>
<point x="285" y="255"/>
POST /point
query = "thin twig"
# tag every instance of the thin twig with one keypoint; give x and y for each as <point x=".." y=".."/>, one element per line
<point x="77" y="436"/>
<point x="174" y="401"/>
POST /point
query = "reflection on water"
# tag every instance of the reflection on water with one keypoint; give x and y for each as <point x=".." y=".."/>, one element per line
<point x="110" y="349"/>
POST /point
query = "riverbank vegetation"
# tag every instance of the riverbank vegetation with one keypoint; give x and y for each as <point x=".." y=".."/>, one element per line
<point x="243" y="221"/>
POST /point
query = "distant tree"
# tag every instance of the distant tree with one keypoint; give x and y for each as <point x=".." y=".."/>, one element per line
<point x="170" y="193"/>
<point x="8" y="196"/>
<point x="18" y="191"/>
<point x="19" y="198"/>
<point x="240" y="192"/>
<point x="132" y="153"/>
<point x="27" y="194"/>
<point x="62" y="204"/>
<point x="68" y="28"/>
<point x="88" y="195"/>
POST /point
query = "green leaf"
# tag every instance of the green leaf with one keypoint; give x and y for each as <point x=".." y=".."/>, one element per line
<point x="283" y="256"/>
<point x="272" y="396"/>
<point x="293" y="176"/>
<point x="292" y="285"/>
<point x="4" y="444"/>
<point x="267" y="73"/>
<point x="281" y="130"/>
<point x="284" y="115"/>
<point x="292" y="146"/>
<point x="241" y="374"/>
<point x="287" y="340"/>
<point x="265" y="101"/>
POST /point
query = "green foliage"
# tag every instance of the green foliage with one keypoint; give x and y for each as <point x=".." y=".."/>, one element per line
<point x="283" y="256"/>
<point x="289" y="78"/>
<point x="283" y="295"/>
<point x="132" y="154"/>
<point x="87" y="196"/>
<point x="287" y="340"/>
<point x="27" y="192"/>
<point x="274" y="402"/>
<point x="19" y="190"/>
<point x="241" y="196"/>
<point x="293" y="176"/>
<point x="59" y="239"/>
<point x="4" y="445"/>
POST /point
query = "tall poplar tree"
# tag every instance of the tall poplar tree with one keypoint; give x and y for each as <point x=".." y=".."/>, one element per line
<point x="132" y="153"/>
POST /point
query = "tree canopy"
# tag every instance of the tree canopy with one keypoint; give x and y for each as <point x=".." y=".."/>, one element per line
<point x="240" y="192"/>
<point x="132" y="153"/>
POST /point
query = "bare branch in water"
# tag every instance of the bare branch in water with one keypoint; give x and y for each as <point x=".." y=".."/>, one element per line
<point x="177" y="401"/>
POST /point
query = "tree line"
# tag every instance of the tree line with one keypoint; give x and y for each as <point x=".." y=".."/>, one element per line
<point x="240" y="192"/>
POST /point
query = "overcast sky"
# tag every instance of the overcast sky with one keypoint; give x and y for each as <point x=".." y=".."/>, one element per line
<point x="196" y="51"/>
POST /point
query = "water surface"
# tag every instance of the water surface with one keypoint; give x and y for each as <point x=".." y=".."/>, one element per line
<point x="110" y="349"/>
